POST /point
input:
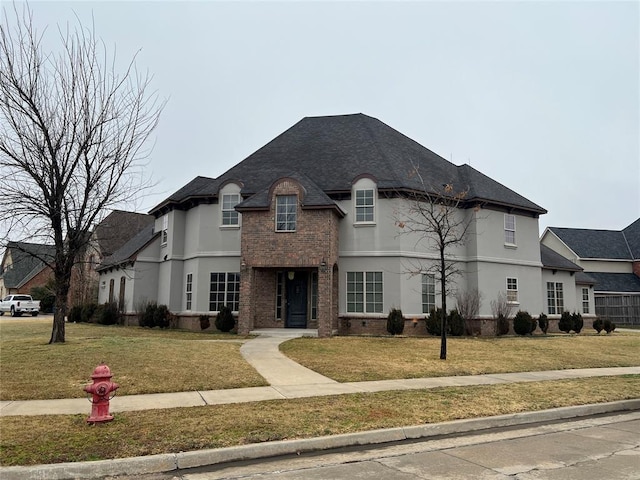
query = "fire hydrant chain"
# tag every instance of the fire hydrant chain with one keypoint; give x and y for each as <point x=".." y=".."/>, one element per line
<point x="100" y="391"/>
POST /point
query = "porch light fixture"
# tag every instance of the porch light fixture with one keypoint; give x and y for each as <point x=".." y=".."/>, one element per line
<point x="290" y="275"/>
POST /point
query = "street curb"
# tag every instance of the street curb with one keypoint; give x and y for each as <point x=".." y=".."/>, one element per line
<point x="165" y="463"/>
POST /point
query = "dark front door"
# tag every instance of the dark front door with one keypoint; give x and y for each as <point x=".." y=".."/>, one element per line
<point x="297" y="300"/>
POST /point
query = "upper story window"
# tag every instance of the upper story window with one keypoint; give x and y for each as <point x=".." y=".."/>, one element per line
<point x="229" y="215"/>
<point x="509" y="229"/>
<point x="286" y="213"/>
<point x="512" y="290"/>
<point x="165" y="230"/>
<point x="365" y="205"/>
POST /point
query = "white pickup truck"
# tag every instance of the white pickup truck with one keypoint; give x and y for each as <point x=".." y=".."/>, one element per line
<point x="19" y="304"/>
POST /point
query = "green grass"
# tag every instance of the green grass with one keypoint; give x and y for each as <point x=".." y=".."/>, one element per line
<point x="141" y="360"/>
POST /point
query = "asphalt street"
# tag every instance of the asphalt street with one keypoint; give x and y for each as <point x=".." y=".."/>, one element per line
<point x="597" y="448"/>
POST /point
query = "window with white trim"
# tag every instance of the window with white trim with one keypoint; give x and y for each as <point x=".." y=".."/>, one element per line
<point x="585" y="300"/>
<point x="364" y="292"/>
<point x="509" y="229"/>
<point x="165" y="230"/>
<point x="555" y="298"/>
<point x="230" y="217"/>
<point x="286" y="213"/>
<point x="428" y="292"/>
<point x="314" y="295"/>
<point x="189" y="290"/>
<point x="279" y="294"/>
<point x="224" y="290"/>
<point x="365" y="203"/>
<point x="512" y="290"/>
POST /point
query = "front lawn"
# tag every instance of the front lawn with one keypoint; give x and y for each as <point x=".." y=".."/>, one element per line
<point x="356" y="359"/>
<point x="141" y="360"/>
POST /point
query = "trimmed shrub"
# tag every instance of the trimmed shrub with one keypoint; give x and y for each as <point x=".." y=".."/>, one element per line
<point x="434" y="322"/>
<point x="502" y="325"/>
<point x="543" y="322"/>
<point x="75" y="314"/>
<point x="523" y="323"/>
<point x="455" y="323"/>
<point x="395" y="322"/>
<point x="146" y="318"/>
<point x="107" y="314"/>
<point x="577" y="322"/>
<point x="598" y="325"/>
<point x="161" y="316"/>
<point x="608" y="325"/>
<point x="204" y="322"/>
<point x="88" y="311"/>
<point x="225" y="321"/>
<point x="566" y="322"/>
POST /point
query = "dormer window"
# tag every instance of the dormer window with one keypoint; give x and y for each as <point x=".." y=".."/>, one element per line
<point x="229" y="215"/>
<point x="286" y="213"/>
<point x="365" y="205"/>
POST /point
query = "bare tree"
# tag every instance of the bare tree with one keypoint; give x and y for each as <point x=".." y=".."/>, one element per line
<point x="468" y="303"/>
<point x="434" y="215"/>
<point x="72" y="137"/>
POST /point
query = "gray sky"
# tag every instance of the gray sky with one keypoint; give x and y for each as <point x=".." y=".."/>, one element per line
<point x="541" y="96"/>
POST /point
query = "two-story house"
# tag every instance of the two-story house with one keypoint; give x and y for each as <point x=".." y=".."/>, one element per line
<point x="305" y="233"/>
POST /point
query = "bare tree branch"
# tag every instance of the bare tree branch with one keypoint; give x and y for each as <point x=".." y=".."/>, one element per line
<point x="72" y="138"/>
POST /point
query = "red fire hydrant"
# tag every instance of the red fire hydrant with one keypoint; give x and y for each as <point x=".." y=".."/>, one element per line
<point x="100" y="391"/>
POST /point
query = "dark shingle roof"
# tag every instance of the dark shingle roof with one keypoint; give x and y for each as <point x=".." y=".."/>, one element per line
<point x="584" y="279"/>
<point x="333" y="151"/>
<point x="28" y="259"/>
<point x="632" y="235"/>
<point x="130" y="250"/>
<point x="554" y="261"/>
<point x="613" y="244"/>
<point x="616" y="282"/>
<point x="119" y="227"/>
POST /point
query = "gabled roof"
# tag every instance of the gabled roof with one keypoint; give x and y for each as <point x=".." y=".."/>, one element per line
<point x="604" y="244"/>
<point x="333" y="151"/>
<point x="27" y="260"/>
<point x="554" y="261"/>
<point x="616" y="282"/>
<point x="129" y="251"/>
<point x="313" y="196"/>
<point x="119" y="227"/>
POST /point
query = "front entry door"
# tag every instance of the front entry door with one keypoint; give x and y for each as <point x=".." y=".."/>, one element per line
<point x="297" y="300"/>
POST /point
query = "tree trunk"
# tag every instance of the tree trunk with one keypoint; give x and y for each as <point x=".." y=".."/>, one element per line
<point x="57" y="333"/>
<point x="443" y="293"/>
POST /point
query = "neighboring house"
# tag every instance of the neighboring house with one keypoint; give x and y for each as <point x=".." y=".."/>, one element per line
<point x="565" y="286"/>
<point x="24" y="266"/>
<point x="114" y="231"/>
<point x="303" y="234"/>
<point x="612" y="259"/>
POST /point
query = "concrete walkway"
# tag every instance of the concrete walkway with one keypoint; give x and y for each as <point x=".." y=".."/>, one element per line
<point x="287" y="379"/>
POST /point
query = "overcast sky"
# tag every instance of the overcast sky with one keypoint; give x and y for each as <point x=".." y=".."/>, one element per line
<point x="541" y="96"/>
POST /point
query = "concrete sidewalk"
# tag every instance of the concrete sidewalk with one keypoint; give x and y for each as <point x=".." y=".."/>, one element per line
<point x="287" y="379"/>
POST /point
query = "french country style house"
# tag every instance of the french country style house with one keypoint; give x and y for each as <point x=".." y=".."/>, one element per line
<point x="304" y="233"/>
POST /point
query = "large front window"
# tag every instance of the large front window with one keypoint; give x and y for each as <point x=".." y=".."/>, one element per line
<point x="364" y="292"/>
<point x="224" y="290"/>
<point x="229" y="214"/>
<point x="286" y="213"/>
<point x="364" y="205"/>
<point x="555" y="298"/>
<point x="428" y="292"/>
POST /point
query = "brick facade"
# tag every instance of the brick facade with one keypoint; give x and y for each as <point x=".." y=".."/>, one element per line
<point x="312" y="247"/>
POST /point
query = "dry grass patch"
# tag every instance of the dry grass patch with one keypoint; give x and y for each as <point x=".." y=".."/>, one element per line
<point x="383" y="358"/>
<point x="64" y="438"/>
<point x="142" y="360"/>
